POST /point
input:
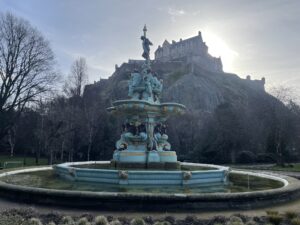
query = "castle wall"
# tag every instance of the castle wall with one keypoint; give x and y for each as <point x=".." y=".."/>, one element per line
<point x="189" y="50"/>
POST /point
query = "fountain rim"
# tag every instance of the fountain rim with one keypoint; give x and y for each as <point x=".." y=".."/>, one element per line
<point x="130" y="101"/>
<point x="115" y="201"/>
<point x="287" y="181"/>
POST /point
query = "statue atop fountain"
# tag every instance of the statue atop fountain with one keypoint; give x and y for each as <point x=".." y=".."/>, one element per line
<point x="144" y="142"/>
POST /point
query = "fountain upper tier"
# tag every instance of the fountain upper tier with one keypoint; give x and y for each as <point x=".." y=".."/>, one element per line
<point x="142" y="110"/>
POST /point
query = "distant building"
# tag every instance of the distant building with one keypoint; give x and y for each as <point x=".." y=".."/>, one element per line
<point x="191" y="50"/>
<point x="257" y="84"/>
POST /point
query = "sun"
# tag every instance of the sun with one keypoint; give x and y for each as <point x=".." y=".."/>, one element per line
<point x="218" y="47"/>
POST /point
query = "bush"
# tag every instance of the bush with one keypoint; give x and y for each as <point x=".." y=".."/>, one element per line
<point x="83" y="221"/>
<point x="35" y="221"/>
<point x="170" y="219"/>
<point x="250" y="222"/>
<point x="148" y="219"/>
<point x="11" y="219"/>
<point x="68" y="220"/>
<point x="51" y="223"/>
<point x="101" y="220"/>
<point x="295" y="221"/>
<point x="191" y="219"/>
<point x="137" y="221"/>
<point x="290" y="215"/>
<point x="162" y="223"/>
<point x="115" y="222"/>
<point x="275" y="219"/>
<point x="234" y="220"/>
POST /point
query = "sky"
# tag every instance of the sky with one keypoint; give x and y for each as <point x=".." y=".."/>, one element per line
<point x="253" y="37"/>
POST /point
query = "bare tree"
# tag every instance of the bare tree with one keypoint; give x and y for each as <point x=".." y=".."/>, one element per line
<point x="26" y="68"/>
<point x="283" y="123"/>
<point x="77" y="78"/>
<point x="91" y="114"/>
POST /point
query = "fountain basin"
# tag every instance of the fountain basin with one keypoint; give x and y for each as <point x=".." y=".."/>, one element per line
<point x="215" y="174"/>
<point x="165" y="200"/>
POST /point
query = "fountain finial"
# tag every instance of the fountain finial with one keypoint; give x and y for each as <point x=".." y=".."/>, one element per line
<point x="146" y="45"/>
<point x="145" y="30"/>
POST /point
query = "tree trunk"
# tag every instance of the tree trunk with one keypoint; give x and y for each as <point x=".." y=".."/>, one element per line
<point x="90" y="144"/>
<point x="62" y="151"/>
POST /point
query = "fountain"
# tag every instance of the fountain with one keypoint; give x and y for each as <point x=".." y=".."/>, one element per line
<point x="144" y="173"/>
<point x="143" y="154"/>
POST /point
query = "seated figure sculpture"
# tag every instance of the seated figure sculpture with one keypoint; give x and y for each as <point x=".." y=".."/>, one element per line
<point x="161" y="138"/>
<point x="130" y="135"/>
<point x="145" y="85"/>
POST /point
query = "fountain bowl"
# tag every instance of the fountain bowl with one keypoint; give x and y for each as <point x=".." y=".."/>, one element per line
<point x="289" y="189"/>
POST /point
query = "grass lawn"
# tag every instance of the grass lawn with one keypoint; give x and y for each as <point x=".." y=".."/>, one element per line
<point x="293" y="167"/>
<point x="289" y="167"/>
<point x="17" y="161"/>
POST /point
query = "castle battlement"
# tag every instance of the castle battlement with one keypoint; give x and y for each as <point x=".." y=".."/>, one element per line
<point x="257" y="84"/>
<point x="191" y="50"/>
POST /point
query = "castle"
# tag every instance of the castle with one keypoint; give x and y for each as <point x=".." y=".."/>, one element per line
<point x="191" y="50"/>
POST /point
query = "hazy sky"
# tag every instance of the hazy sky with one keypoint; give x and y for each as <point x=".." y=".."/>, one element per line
<point x="260" y="38"/>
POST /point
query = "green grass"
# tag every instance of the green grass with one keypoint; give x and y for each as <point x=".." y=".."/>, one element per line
<point x="293" y="167"/>
<point x="289" y="167"/>
<point x="29" y="161"/>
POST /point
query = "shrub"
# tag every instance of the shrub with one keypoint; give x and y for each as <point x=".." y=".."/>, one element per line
<point x="170" y="219"/>
<point x="190" y="219"/>
<point x="34" y="221"/>
<point x="101" y="220"/>
<point x="162" y="223"/>
<point x="137" y="221"/>
<point x="68" y="220"/>
<point x="11" y="219"/>
<point x="83" y="221"/>
<point x="51" y="223"/>
<point x="275" y="219"/>
<point x="251" y="222"/>
<point x="234" y="220"/>
<point x="148" y="219"/>
<point x="290" y="215"/>
<point x="115" y="222"/>
<point x="295" y="221"/>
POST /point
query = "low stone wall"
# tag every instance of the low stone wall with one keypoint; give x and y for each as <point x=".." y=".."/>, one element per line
<point x="155" y="202"/>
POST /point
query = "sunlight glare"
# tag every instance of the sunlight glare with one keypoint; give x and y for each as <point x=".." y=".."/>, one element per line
<point x="218" y="47"/>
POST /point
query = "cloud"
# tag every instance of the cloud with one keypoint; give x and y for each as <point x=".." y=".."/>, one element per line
<point x="174" y="13"/>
